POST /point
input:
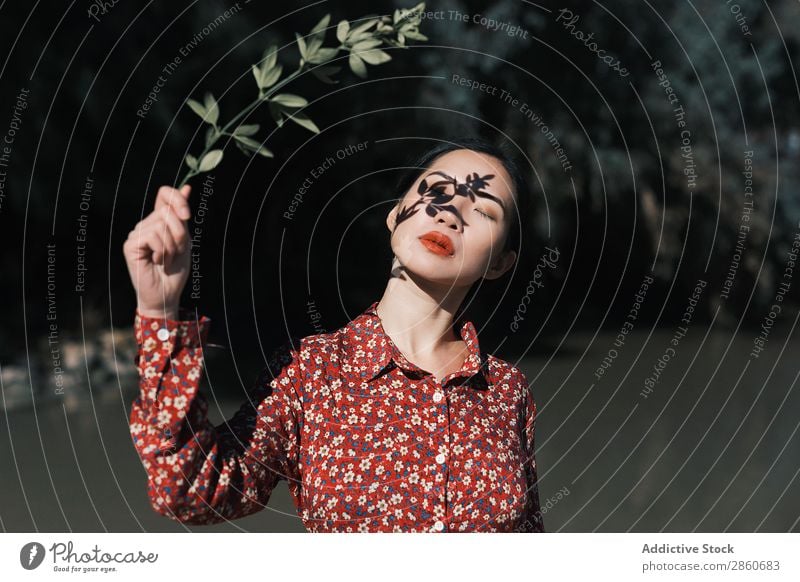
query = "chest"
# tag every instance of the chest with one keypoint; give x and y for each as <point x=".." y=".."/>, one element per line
<point x="396" y="455"/>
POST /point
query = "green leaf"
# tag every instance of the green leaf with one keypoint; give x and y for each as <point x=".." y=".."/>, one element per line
<point x="250" y="145"/>
<point x="313" y="46"/>
<point x="265" y="152"/>
<point x="323" y="55"/>
<point x="355" y="38"/>
<point x="415" y="35"/>
<point x="366" y="44"/>
<point x="357" y="65"/>
<point x="375" y="56"/>
<point x="322" y="24"/>
<point x="191" y="161"/>
<point x="248" y="141"/>
<point x="303" y="120"/>
<point x="289" y="100"/>
<point x="212" y="109"/>
<point x="269" y="79"/>
<point x="270" y="57"/>
<point x="364" y="26"/>
<point x="412" y="14"/>
<point x="211" y="136"/>
<point x="341" y="31"/>
<point x="197" y="108"/>
<point x="210" y="160"/>
<point x="301" y="45"/>
<point x="266" y="78"/>
<point x="246" y="129"/>
<point x="323" y="73"/>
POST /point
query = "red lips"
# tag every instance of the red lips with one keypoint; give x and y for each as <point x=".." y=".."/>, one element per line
<point x="438" y="243"/>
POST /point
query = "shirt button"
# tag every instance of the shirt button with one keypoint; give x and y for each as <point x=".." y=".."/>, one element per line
<point x="437" y="396"/>
<point x="163" y="334"/>
<point x="440" y="458"/>
<point x="439" y="525"/>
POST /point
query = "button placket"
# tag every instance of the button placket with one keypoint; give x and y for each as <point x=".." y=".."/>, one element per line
<point x="442" y="459"/>
<point x="439" y="437"/>
<point x="439" y="409"/>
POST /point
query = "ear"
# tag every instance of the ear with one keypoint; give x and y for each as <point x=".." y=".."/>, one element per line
<point x="502" y="264"/>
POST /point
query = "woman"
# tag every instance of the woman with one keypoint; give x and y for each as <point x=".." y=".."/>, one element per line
<point x="396" y="421"/>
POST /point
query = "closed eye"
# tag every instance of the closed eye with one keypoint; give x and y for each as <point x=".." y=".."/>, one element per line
<point x="482" y="213"/>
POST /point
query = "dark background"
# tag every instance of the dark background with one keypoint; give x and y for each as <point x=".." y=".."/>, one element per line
<point x="623" y="210"/>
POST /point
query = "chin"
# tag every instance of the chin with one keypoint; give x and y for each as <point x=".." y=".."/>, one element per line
<point x="450" y="272"/>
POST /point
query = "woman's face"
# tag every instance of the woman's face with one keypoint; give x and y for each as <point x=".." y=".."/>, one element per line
<point x="450" y="227"/>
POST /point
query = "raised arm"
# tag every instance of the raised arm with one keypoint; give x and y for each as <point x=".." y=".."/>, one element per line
<point x="197" y="472"/>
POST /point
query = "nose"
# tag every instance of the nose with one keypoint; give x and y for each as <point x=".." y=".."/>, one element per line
<point x="450" y="218"/>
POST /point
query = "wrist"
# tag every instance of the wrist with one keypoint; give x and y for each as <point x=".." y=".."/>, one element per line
<point x="170" y="312"/>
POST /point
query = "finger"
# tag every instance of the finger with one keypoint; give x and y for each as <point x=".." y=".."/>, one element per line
<point x="172" y="198"/>
<point x="138" y="244"/>
<point x="170" y="247"/>
<point x="158" y="242"/>
<point x="155" y="217"/>
<point x="133" y="248"/>
<point x="151" y="242"/>
<point x="177" y="228"/>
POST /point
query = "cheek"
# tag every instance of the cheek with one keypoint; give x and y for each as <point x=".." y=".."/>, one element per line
<point x="486" y="236"/>
<point x="403" y="238"/>
<point x="500" y="234"/>
<point x="485" y="247"/>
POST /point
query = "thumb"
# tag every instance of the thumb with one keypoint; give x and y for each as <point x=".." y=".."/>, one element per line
<point x="185" y="190"/>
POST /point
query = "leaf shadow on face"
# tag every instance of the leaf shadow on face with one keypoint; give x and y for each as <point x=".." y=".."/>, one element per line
<point x="435" y="197"/>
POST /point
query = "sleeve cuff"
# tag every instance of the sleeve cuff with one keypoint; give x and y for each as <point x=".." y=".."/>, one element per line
<point x="158" y="333"/>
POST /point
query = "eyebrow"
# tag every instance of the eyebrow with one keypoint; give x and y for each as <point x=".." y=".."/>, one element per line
<point x="493" y="198"/>
<point x="479" y="194"/>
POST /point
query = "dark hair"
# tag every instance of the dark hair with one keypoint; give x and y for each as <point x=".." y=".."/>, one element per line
<point x="519" y="182"/>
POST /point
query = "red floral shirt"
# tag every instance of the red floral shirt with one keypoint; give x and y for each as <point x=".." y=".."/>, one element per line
<point x="366" y="440"/>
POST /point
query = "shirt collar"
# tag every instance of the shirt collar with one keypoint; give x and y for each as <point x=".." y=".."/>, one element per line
<point x="368" y="351"/>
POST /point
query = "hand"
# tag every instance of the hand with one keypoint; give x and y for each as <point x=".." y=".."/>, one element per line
<point x="157" y="252"/>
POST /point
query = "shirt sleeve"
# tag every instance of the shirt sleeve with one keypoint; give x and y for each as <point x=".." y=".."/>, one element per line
<point x="533" y="521"/>
<point x="199" y="473"/>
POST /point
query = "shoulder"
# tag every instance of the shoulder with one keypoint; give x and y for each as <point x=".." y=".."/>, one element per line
<point x="302" y="355"/>
<point x="505" y="370"/>
<point x="506" y="375"/>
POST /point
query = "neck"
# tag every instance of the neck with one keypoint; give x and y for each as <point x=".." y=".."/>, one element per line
<point x="418" y="315"/>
